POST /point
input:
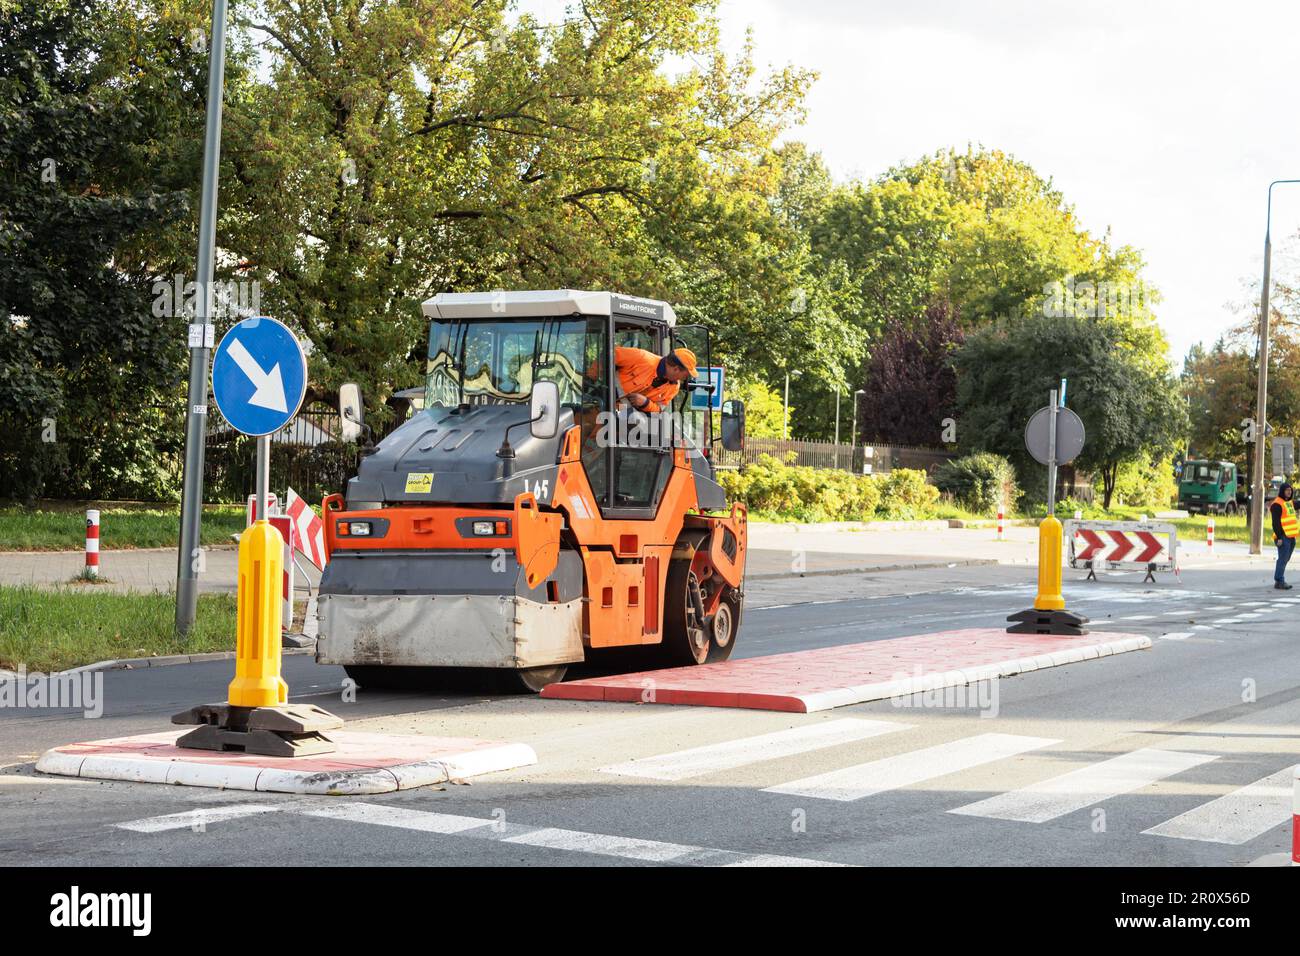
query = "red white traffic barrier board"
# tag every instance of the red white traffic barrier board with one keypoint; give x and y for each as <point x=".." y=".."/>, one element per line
<point x="1123" y="545"/>
<point x="310" y="530"/>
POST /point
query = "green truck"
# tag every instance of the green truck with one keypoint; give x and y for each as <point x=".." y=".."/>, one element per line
<point x="1210" y="487"/>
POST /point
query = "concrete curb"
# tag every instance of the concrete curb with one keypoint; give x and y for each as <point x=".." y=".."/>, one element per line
<point x="918" y="566"/>
<point x="132" y="663"/>
<point x="70" y="551"/>
<point x="908" y="686"/>
<point x="203" y="771"/>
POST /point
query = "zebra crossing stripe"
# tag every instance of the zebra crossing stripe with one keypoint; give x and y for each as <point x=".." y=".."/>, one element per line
<point x="1237" y="817"/>
<point x="748" y="750"/>
<point x="554" y="838"/>
<point x="906" y="769"/>
<point x="1085" y="787"/>
<point x="192" y="819"/>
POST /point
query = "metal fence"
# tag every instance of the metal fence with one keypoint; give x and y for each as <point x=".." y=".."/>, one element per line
<point x="306" y="455"/>
<point x="860" y="459"/>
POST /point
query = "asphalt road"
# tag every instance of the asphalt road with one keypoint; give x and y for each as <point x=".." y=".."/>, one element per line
<point x="1179" y="755"/>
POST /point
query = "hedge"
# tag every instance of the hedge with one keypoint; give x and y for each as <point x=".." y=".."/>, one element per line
<point x="773" y="487"/>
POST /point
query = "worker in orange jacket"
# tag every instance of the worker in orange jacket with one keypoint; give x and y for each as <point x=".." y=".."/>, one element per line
<point x="649" y="383"/>
<point x="1286" y="527"/>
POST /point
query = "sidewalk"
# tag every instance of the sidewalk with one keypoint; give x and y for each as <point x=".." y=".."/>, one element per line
<point x="775" y="550"/>
<point x="837" y="545"/>
<point x="142" y="569"/>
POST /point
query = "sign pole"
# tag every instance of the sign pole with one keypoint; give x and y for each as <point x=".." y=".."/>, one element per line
<point x="200" y="339"/>
<point x="263" y="476"/>
<point x="1053" y="433"/>
<point x="259" y="379"/>
<point x="1051" y="455"/>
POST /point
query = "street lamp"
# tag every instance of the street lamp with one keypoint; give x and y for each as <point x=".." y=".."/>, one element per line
<point x="785" y="428"/>
<point x="1261" y="398"/>
<point x="853" y="434"/>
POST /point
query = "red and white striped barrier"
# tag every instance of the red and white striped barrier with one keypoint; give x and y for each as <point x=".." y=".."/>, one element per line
<point x="1295" y="819"/>
<point x="1209" y="534"/>
<point x="1001" y="526"/>
<point x="1122" y="545"/>
<point x="309" y="528"/>
<point x="92" y="544"/>
<point x="284" y="525"/>
<point x="272" y="506"/>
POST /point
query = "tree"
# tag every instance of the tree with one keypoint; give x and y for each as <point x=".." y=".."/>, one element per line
<point x="1132" y="411"/>
<point x="82" y="356"/>
<point x="911" y="384"/>
<point x="399" y="149"/>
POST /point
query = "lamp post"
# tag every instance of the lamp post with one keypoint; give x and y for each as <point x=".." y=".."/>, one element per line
<point x="1261" y="397"/>
<point x="785" y="428"/>
<point x="853" y="434"/>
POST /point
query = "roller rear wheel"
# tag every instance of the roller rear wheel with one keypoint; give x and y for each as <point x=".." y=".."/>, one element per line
<point x="531" y="680"/>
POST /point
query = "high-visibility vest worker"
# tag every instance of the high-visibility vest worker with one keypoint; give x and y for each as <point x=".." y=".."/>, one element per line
<point x="648" y="382"/>
<point x="1285" y="523"/>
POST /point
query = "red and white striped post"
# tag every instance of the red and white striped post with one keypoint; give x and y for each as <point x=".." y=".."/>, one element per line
<point x="1001" y="527"/>
<point x="1295" y="820"/>
<point x="92" y="544"/>
<point x="1209" y="534"/>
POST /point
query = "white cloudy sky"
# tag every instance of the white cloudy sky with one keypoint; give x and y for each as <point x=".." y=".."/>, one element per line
<point x="1163" y="120"/>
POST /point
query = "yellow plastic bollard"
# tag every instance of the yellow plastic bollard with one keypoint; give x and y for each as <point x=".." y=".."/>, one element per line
<point x="1049" y="566"/>
<point x="257" y="680"/>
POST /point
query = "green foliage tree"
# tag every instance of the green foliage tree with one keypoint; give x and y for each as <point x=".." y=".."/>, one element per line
<point x="1131" y="411"/>
<point x="82" y="356"/>
<point x="398" y="149"/>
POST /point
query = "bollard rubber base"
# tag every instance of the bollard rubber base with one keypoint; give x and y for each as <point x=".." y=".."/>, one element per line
<point x="288" y="730"/>
<point x="1034" y="621"/>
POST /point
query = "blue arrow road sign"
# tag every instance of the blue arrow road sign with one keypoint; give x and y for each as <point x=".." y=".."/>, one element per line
<point x="701" y="398"/>
<point x="259" y="376"/>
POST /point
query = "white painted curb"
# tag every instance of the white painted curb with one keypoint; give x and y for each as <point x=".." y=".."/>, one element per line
<point x="363" y="780"/>
<point x="906" y="686"/>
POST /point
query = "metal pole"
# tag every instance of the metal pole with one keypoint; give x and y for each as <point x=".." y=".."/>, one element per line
<point x="263" y="475"/>
<point x="1261" y="404"/>
<point x="1261" y="397"/>
<point x="188" y="558"/>
<point x="785" y="427"/>
<point x="837" y="426"/>
<point x="1051" y="456"/>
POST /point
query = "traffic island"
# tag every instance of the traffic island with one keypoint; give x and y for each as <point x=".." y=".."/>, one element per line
<point x="807" y="681"/>
<point x="361" y="763"/>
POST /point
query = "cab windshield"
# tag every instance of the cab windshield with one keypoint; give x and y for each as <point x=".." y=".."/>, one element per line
<point x="1203" y="473"/>
<point x="478" y="362"/>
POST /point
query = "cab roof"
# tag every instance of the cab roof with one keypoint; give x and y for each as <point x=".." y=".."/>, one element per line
<point x="499" y="304"/>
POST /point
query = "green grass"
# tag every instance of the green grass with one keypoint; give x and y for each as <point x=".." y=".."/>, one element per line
<point x="45" y="630"/>
<point x="62" y="527"/>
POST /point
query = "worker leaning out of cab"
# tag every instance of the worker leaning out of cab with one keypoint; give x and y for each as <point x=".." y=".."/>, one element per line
<point x="1285" y="529"/>
<point x="648" y="382"/>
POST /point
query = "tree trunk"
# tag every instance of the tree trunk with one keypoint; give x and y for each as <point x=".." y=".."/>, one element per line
<point x="1108" y="475"/>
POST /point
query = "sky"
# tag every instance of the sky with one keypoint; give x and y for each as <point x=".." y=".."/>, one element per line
<point x="1161" y="121"/>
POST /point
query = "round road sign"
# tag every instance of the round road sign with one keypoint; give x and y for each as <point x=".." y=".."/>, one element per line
<point x="259" y="376"/>
<point x="1069" y="435"/>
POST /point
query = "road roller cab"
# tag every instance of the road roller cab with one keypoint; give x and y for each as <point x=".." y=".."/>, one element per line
<point x="521" y="521"/>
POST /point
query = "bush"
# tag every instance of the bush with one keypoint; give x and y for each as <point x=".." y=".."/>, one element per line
<point x="906" y="495"/>
<point x="979" y="482"/>
<point x="802" y="494"/>
<point x="1146" y="485"/>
